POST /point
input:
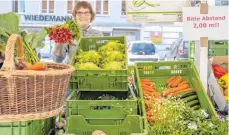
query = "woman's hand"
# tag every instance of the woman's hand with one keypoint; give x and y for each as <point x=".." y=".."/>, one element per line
<point x="58" y="49"/>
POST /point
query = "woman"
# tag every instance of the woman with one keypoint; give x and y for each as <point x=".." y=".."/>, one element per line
<point x="1" y="59"/>
<point x="84" y="15"/>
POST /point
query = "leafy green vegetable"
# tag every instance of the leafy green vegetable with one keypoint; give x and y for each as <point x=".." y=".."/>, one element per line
<point x="9" y="23"/>
<point x="90" y="56"/>
<point x="35" y="40"/>
<point x="74" y="28"/>
<point x="3" y="42"/>
<point x="110" y="56"/>
<point x="112" y="46"/>
<point x="113" y="65"/>
<point x="87" y="65"/>
<point x="115" y="56"/>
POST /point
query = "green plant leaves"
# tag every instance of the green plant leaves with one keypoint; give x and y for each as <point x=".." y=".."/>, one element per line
<point x="9" y="23"/>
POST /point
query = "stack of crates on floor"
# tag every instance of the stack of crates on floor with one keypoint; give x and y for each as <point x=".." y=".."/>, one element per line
<point x="100" y="99"/>
<point x="35" y="127"/>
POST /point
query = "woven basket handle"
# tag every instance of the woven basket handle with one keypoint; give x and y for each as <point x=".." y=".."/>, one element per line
<point x="13" y="40"/>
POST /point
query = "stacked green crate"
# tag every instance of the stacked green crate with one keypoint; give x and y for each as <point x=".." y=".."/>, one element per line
<point x="215" y="48"/>
<point x="87" y="113"/>
<point x="159" y="72"/>
<point x="36" y="127"/>
<point x="100" y="79"/>
<point x="92" y="105"/>
<point x="101" y="99"/>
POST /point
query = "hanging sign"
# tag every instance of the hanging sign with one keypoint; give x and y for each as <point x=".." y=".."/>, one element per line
<point x="213" y="25"/>
<point x="155" y="10"/>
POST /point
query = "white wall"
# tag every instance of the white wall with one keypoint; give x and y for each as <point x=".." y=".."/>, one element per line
<point x="5" y="6"/>
<point x="33" y="6"/>
<point x="61" y="7"/>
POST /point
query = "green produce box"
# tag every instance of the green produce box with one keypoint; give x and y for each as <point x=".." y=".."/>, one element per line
<point x="160" y="71"/>
<point x="215" y="48"/>
<point x="100" y="79"/>
<point x="218" y="48"/>
<point x="94" y="105"/>
<point x="130" y="125"/>
<point x="37" y="127"/>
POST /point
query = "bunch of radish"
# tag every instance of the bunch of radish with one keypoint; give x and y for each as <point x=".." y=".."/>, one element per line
<point x="60" y="34"/>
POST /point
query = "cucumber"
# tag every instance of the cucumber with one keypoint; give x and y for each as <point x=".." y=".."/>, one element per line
<point x="196" y="107"/>
<point x="190" y="98"/>
<point x="185" y="94"/>
<point x="192" y="103"/>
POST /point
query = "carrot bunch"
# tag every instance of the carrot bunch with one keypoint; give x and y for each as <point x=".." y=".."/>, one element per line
<point x="130" y="79"/>
<point x="39" y="66"/>
<point x="176" y="85"/>
<point x="149" y="88"/>
<point x="150" y="95"/>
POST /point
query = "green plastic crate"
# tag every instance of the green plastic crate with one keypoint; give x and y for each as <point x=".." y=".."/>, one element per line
<point x="160" y="71"/>
<point x="37" y="127"/>
<point x="130" y="70"/>
<point x="218" y="48"/>
<point x="215" y="48"/>
<point x="48" y="125"/>
<point x="98" y="80"/>
<point x="78" y="125"/>
<point x="89" y="106"/>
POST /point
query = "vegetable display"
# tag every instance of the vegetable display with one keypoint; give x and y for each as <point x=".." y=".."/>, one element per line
<point x="174" y="117"/>
<point x="176" y="110"/>
<point x="177" y="88"/>
<point x="111" y="56"/>
<point x="221" y="74"/>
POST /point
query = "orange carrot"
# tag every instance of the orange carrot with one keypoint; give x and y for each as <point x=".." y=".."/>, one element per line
<point x="147" y="87"/>
<point x="171" y="90"/>
<point x="39" y="66"/>
<point x="185" y="85"/>
<point x="183" y="82"/>
<point x="148" y="90"/>
<point x="170" y="79"/>
<point x="171" y="82"/>
<point x="176" y="82"/>
<point x="148" y="83"/>
<point x="180" y="91"/>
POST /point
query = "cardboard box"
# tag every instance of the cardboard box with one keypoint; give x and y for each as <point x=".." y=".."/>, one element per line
<point x="214" y="91"/>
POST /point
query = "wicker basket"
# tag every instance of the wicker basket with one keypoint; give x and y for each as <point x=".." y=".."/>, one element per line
<point x="27" y="94"/>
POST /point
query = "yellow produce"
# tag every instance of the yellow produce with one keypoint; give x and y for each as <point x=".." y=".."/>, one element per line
<point x="220" y="83"/>
<point x="224" y="78"/>
<point x="226" y="92"/>
<point x="226" y="98"/>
